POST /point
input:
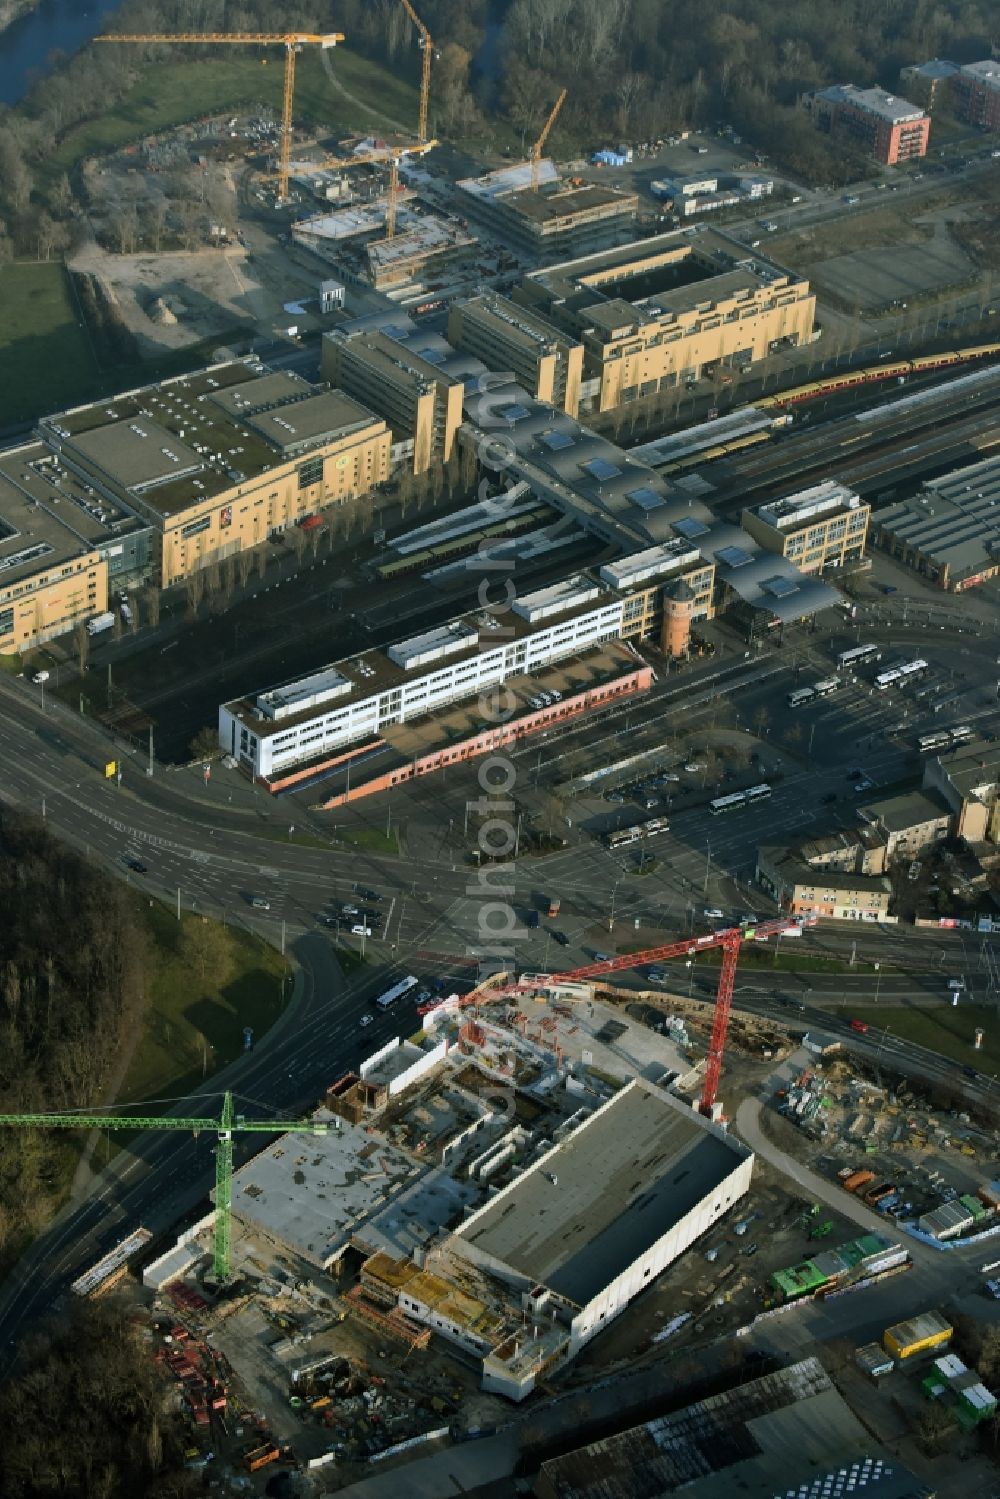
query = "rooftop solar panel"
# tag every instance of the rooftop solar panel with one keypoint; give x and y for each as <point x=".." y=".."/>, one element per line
<point x="600" y="468"/>
<point x="646" y="499"/>
<point x="780" y="587"/>
<point x="515" y="413"/>
<point x="689" y="527"/>
<point x="735" y="556"/>
<point x="557" y="440"/>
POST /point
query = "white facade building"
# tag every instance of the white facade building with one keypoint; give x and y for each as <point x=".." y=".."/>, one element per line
<point x="355" y="700"/>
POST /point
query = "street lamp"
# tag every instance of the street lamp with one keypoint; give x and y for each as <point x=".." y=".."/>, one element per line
<point x="689" y="965"/>
<point x="878" y="979"/>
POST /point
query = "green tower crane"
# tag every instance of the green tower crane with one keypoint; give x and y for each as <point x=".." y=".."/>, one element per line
<point x="228" y="1123"/>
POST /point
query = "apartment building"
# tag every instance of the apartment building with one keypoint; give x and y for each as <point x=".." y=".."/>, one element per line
<point x="217" y="461"/>
<point x="927" y="83"/>
<point x="968" y="781"/>
<point x="975" y="88"/>
<point x="414" y="395"/>
<point x="836" y="894"/>
<point x="651" y="316"/>
<point x="542" y="358"/>
<point x="889" y="129"/>
<point x="667" y="589"/>
<point x="818" y="528"/>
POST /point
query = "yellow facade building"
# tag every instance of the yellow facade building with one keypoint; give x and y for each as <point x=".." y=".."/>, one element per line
<point x="663" y="312"/>
<point x="215" y="462"/>
<point x="420" y="400"/>
<point x="819" y="528"/>
<point x="542" y="358"/>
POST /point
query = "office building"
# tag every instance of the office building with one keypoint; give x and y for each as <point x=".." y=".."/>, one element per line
<point x="414" y="394"/>
<point x="353" y="703"/>
<point x="506" y="337"/>
<point x="947" y="533"/>
<point x="818" y="528"/>
<point x="215" y="462"/>
<point x="657" y="314"/>
<point x="558" y="218"/>
<point x="889" y="129"/>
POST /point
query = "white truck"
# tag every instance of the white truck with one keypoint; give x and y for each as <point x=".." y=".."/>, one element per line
<point x="100" y="623"/>
<point x="126" y="611"/>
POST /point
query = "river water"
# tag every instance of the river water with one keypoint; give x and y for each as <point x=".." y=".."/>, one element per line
<point x="57" y="25"/>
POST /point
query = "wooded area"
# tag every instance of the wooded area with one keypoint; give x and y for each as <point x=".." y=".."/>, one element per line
<point x="634" y="69"/>
<point x="71" y="987"/>
<point x="84" y="1417"/>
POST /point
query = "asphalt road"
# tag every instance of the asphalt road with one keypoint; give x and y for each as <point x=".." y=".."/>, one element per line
<point x="217" y="854"/>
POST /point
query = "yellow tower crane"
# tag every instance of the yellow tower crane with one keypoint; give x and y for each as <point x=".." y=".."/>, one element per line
<point x="536" y="150"/>
<point x="292" y="41"/>
<point x="427" y="48"/>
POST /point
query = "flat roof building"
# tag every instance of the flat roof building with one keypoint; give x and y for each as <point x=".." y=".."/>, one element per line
<point x="584" y="1229"/>
<point x="788" y="1434"/>
<point x="352" y="702"/>
<point x="61" y="544"/>
<point x="413" y="393"/>
<point x="802" y="890"/>
<point x="542" y="358"/>
<point x="948" y="533"/>
<point x="653" y="315"/>
<point x="877" y="123"/>
<point x="975" y="88"/>
<point x="559" y="218"/>
<point x="927" y="82"/>
<point x="216" y="461"/>
<point x="968" y="782"/>
<point x="817" y="528"/>
<point x="909" y="822"/>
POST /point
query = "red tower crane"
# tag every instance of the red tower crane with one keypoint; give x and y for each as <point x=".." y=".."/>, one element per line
<point x="730" y="939"/>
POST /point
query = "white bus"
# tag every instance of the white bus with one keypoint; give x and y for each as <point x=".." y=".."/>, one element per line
<point x="738" y="799"/>
<point x="828" y="685"/>
<point x="886" y="678"/>
<point x="859" y="655"/>
<point x="801" y="696"/>
<point x="758" y="793"/>
<point x="386" y="1000"/>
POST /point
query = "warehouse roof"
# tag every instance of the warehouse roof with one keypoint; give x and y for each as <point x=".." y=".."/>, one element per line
<point x="48" y="515"/>
<point x="774" y="1436"/>
<point x="954" y="521"/>
<point x="580" y="1216"/>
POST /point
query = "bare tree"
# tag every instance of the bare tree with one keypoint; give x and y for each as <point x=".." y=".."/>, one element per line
<point x="81" y="640"/>
<point x="244" y="565"/>
<point x="228" y="578"/>
<point x="152" y="602"/>
<point x="260" y="560"/>
<point x="194" y="588"/>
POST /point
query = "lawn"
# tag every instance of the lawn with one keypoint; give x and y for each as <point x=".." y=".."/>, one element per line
<point x="944" y="1029"/>
<point x="46" y="359"/>
<point x="187" y="90"/>
<point x="45" y="356"/>
<point x="206" y="982"/>
<point x="371" y="838"/>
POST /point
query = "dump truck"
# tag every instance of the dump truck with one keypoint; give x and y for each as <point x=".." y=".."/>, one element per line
<point x="857" y="1179"/>
<point x="259" y="1457"/>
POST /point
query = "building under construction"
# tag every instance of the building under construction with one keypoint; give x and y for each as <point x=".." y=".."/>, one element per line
<point x="559" y="219"/>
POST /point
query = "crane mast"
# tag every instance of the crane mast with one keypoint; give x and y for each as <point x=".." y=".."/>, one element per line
<point x="427" y="49"/>
<point x="226" y="1125"/>
<point x="536" y="150"/>
<point x="292" y="41"/>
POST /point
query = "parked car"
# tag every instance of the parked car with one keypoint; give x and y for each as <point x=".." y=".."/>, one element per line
<point x="359" y="930"/>
<point x="713" y="913"/>
<point x="260" y="903"/>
